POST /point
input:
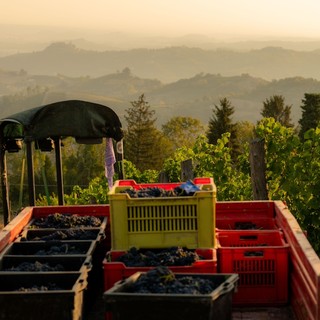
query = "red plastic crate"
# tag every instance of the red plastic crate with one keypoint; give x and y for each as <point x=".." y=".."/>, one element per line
<point x="246" y="215"/>
<point x="243" y="223"/>
<point x="249" y="238"/>
<point x="165" y="186"/>
<point x="115" y="271"/>
<point x="259" y="209"/>
<point x="263" y="273"/>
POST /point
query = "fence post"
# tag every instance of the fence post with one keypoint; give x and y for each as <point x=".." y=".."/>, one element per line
<point x="186" y="170"/>
<point x="258" y="170"/>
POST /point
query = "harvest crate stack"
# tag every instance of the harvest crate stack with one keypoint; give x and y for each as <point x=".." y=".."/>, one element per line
<point x="159" y="223"/>
<point x="51" y="268"/>
<point x="250" y="243"/>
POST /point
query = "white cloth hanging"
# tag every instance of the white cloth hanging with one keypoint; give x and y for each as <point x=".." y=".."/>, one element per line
<point x="109" y="161"/>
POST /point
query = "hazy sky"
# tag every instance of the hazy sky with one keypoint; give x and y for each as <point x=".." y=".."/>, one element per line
<point x="293" y="18"/>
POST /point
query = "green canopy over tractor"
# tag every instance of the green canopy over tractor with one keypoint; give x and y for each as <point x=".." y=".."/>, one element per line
<point x="87" y="122"/>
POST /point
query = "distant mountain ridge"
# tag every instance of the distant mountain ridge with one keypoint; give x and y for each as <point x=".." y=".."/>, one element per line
<point x="166" y="64"/>
<point x="194" y="96"/>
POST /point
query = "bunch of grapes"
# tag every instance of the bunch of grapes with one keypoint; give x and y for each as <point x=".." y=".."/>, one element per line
<point x="175" y="256"/>
<point x="49" y="286"/>
<point x="163" y="280"/>
<point x="35" y="266"/>
<point x="152" y="192"/>
<point x="62" y="221"/>
<point x="60" y="249"/>
<point x="69" y="234"/>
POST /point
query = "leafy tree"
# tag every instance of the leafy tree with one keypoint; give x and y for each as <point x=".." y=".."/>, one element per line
<point x="289" y="178"/>
<point x="183" y="131"/>
<point x="144" y="144"/>
<point x="95" y="193"/>
<point x="245" y="134"/>
<point x="220" y="123"/>
<point x="310" y="113"/>
<point x="81" y="163"/>
<point x="276" y="108"/>
<point x="45" y="173"/>
<point x="213" y="160"/>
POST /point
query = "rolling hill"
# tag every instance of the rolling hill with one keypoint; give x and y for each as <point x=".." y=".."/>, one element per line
<point x="199" y="79"/>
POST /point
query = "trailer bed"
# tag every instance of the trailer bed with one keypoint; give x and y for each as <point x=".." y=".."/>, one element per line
<point x="304" y="272"/>
<point x="263" y="313"/>
<point x="276" y="313"/>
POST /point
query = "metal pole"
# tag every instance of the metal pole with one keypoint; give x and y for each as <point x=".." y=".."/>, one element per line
<point x="4" y="187"/>
<point x="21" y="180"/>
<point x="31" y="182"/>
<point x="57" y="147"/>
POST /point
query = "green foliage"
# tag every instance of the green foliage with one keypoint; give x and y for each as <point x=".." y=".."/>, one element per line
<point x="212" y="161"/>
<point x="220" y="123"/>
<point x="131" y="172"/>
<point x="276" y="108"/>
<point x="96" y="193"/>
<point x="183" y="131"/>
<point x="172" y="165"/>
<point x="293" y="173"/>
<point x="81" y="163"/>
<point x="44" y="201"/>
<point x="310" y="113"/>
<point x="245" y="133"/>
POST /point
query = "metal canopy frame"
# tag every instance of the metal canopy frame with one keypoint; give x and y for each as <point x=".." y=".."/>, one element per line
<point x="83" y="120"/>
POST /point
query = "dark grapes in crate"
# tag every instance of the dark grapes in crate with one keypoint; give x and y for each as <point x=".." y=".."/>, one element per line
<point x="24" y="248"/>
<point x="175" y="256"/>
<point x="68" y="234"/>
<point x="49" y="287"/>
<point x="152" y="192"/>
<point x="59" y="249"/>
<point x="157" y="192"/>
<point x="65" y="221"/>
<point x="35" y="267"/>
<point x="163" y="280"/>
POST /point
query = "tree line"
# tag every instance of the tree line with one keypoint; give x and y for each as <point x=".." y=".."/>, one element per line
<point x="219" y="149"/>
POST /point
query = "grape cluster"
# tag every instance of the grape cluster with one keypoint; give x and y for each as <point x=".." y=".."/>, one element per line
<point x="152" y="192"/>
<point x="60" y="249"/>
<point x="163" y="280"/>
<point x="35" y="266"/>
<point x="245" y="226"/>
<point x="69" y="234"/>
<point x="175" y="256"/>
<point x="59" y="220"/>
<point x="155" y="192"/>
<point x="49" y="286"/>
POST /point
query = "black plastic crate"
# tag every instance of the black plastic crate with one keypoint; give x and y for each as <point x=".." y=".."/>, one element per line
<point x="78" y="234"/>
<point x="41" y="223"/>
<point x="25" y="298"/>
<point x="58" y="248"/>
<point x="217" y="305"/>
<point x="45" y="264"/>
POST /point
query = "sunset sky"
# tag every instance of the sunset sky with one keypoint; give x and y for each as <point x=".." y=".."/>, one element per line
<point x="275" y="18"/>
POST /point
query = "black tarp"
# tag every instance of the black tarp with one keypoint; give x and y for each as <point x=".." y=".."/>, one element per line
<point x="75" y="118"/>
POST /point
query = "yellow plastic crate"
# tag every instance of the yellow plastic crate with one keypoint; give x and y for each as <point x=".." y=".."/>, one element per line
<point x="187" y="221"/>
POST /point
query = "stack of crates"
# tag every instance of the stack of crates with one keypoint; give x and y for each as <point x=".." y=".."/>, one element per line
<point x="251" y="245"/>
<point x="161" y="223"/>
<point x="50" y="272"/>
